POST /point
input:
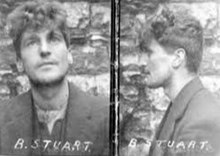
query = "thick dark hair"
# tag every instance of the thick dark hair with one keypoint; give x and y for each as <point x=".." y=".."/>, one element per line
<point x="176" y="30"/>
<point x="36" y="15"/>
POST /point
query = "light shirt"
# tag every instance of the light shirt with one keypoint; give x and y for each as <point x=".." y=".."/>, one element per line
<point x="50" y="117"/>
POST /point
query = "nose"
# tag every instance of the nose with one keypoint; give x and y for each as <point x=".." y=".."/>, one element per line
<point x="44" y="49"/>
<point x="143" y="62"/>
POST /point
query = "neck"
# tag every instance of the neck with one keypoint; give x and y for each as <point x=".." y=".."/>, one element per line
<point x="177" y="84"/>
<point x="51" y="97"/>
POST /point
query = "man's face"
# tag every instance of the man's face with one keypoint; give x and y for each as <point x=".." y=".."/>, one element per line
<point x="157" y="65"/>
<point x="44" y="55"/>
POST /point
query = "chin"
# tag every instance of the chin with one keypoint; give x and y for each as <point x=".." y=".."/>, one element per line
<point x="47" y="80"/>
<point x="152" y="86"/>
<point x="50" y="78"/>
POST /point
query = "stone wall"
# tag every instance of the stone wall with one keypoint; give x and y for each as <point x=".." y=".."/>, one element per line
<point x="142" y="108"/>
<point x="89" y="21"/>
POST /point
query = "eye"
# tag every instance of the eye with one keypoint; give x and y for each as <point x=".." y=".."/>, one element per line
<point x="145" y="49"/>
<point x="147" y="52"/>
<point x="31" y="43"/>
<point x="54" y="37"/>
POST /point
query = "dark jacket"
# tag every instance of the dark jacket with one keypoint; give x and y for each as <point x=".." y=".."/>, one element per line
<point x="191" y="126"/>
<point x="87" y="121"/>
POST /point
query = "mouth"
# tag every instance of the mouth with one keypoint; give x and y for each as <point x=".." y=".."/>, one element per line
<point x="47" y="63"/>
<point x="146" y="73"/>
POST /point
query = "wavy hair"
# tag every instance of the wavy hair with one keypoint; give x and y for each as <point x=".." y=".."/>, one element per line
<point x="36" y="15"/>
<point x="176" y="30"/>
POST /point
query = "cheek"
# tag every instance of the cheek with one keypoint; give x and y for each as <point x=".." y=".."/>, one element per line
<point x="29" y="56"/>
<point x="160" y="64"/>
<point x="30" y="51"/>
<point x="63" y="57"/>
<point x="28" y="60"/>
<point x="60" y="50"/>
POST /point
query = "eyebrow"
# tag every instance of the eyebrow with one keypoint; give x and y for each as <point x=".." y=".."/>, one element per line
<point x="144" y="48"/>
<point x="55" y="33"/>
<point x="30" y="37"/>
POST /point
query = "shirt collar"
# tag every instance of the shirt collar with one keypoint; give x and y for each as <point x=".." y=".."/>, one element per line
<point x="50" y="116"/>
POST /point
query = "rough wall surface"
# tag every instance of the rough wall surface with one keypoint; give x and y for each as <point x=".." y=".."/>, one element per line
<point x="142" y="108"/>
<point x="89" y="22"/>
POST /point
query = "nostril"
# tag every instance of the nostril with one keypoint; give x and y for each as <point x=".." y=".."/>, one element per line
<point x="44" y="53"/>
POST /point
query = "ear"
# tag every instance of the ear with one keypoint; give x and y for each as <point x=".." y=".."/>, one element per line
<point x="70" y="58"/>
<point x="179" y="58"/>
<point x="20" y="66"/>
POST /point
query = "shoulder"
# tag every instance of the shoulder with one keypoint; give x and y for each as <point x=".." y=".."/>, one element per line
<point x="16" y="106"/>
<point x="202" y="111"/>
<point x="85" y="98"/>
<point x="92" y="115"/>
<point x="201" y="120"/>
<point x="3" y="104"/>
<point x="89" y="104"/>
<point x="204" y="105"/>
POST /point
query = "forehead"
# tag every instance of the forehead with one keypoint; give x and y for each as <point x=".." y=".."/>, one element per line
<point x="150" y="46"/>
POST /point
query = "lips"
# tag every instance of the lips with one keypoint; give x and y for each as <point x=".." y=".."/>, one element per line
<point x="47" y="63"/>
<point x="146" y="73"/>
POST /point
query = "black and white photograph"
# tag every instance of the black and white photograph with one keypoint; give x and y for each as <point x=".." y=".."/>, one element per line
<point x="170" y="78"/>
<point x="110" y="77"/>
<point x="55" y="77"/>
